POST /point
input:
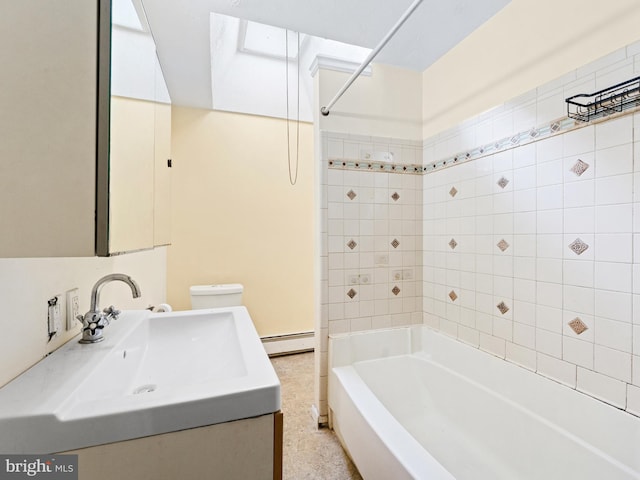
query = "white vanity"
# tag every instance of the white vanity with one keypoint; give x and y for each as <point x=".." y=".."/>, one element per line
<point x="170" y="395"/>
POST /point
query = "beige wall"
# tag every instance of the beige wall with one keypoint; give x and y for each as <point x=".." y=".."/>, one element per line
<point x="236" y="218"/>
<point x="27" y="283"/>
<point x="528" y="43"/>
<point x="386" y="104"/>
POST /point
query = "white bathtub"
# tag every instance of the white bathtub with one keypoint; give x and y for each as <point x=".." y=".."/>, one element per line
<point x="413" y="403"/>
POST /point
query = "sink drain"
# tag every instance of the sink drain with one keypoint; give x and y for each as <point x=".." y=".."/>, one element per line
<point x="145" y="389"/>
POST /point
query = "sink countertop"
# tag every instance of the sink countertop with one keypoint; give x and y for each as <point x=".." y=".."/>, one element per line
<point x="153" y="374"/>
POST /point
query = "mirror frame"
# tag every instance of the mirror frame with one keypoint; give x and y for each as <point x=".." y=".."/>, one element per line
<point x="103" y="127"/>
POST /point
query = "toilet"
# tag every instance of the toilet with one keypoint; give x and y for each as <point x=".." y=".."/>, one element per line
<point x="215" y="296"/>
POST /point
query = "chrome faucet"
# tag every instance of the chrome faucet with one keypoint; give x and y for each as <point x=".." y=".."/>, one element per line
<point x="94" y="321"/>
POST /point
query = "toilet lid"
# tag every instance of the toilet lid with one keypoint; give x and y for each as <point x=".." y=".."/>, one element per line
<point x="221" y="289"/>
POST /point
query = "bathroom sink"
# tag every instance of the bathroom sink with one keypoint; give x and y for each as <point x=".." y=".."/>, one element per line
<point x="153" y="373"/>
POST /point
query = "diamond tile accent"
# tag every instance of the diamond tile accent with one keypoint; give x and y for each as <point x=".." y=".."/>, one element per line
<point x="453" y="296"/>
<point x="351" y="194"/>
<point x="502" y="307"/>
<point x="515" y="139"/>
<point x="351" y="293"/>
<point x="395" y="290"/>
<point x="578" y="325"/>
<point x="352" y="244"/>
<point x="503" y="182"/>
<point x="579" y="167"/>
<point x="503" y="245"/>
<point x="395" y="243"/>
<point x="578" y="246"/>
<point x="555" y="126"/>
<point x="453" y="244"/>
<point x="453" y="191"/>
<point x="395" y="196"/>
<point x="533" y="133"/>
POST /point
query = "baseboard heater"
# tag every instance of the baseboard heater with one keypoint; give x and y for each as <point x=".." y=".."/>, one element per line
<point x="289" y="343"/>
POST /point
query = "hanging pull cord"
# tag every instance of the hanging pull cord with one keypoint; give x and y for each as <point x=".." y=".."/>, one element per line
<point x="293" y="179"/>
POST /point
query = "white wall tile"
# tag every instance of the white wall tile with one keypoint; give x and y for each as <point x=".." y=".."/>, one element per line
<point x="613" y="276"/>
<point x="556" y="369"/>
<point x="633" y="399"/>
<point x="550" y="173"/>
<point x="579" y="141"/>
<point x="524" y="335"/>
<point x="613" y="334"/>
<point x="577" y="352"/>
<point x="579" y="299"/>
<point x="549" y="318"/>
<point x="525" y="357"/>
<point x="524" y="312"/>
<point x="493" y="345"/>
<point x="614" y="218"/>
<point x="577" y="220"/>
<point x="615" y="189"/>
<point x="524" y="267"/>
<point x="613" y="363"/>
<point x="613" y="305"/>
<point x="578" y="273"/>
<point x="524" y="201"/>
<point x="549" y="246"/>
<point x="548" y="149"/>
<point x="549" y="294"/>
<point x="601" y="386"/>
<point x="614" y="132"/>
<point x="614" y="160"/>
<point x="549" y="198"/>
<point x="579" y="194"/>
<point x="542" y="210"/>
<point x="549" y="343"/>
<point x="550" y="221"/>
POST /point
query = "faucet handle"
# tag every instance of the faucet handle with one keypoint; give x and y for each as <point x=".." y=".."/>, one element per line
<point x="112" y="312"/>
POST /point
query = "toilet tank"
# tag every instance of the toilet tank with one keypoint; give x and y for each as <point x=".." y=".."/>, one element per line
<point x="214" y="296"/>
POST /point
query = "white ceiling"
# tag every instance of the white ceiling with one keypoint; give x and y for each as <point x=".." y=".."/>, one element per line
<point x="181" y="30"/>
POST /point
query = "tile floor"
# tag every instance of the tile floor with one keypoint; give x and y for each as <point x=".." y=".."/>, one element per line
<point x="309" y="452"/>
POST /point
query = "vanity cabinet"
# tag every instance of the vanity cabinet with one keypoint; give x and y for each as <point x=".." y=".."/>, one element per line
<point x="83" y="168"/>
<point x="250" y="448"/>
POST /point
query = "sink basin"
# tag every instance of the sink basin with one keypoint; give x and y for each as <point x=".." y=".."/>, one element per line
<point x="153" y="373"/>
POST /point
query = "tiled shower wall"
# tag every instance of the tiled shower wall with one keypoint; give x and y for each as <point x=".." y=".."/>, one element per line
<point x="533" y="253"/>
<point x="371" y="238"/>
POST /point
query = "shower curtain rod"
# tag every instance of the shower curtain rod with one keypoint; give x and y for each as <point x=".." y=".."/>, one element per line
<point x="325" y="110"/>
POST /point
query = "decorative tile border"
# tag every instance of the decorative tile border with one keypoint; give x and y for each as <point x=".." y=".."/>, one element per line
<point x="522" y="138"/>
<point x="562" y="125"/>
<point x="384" y="167"/>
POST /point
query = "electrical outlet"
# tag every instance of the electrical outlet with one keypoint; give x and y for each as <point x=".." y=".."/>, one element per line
<point x="54" y="316"/>
<point x="73" y="308"/>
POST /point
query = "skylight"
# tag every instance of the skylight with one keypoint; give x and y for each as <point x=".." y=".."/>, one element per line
<point x="125" y="14"/>
<point x="267" y="40"/>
